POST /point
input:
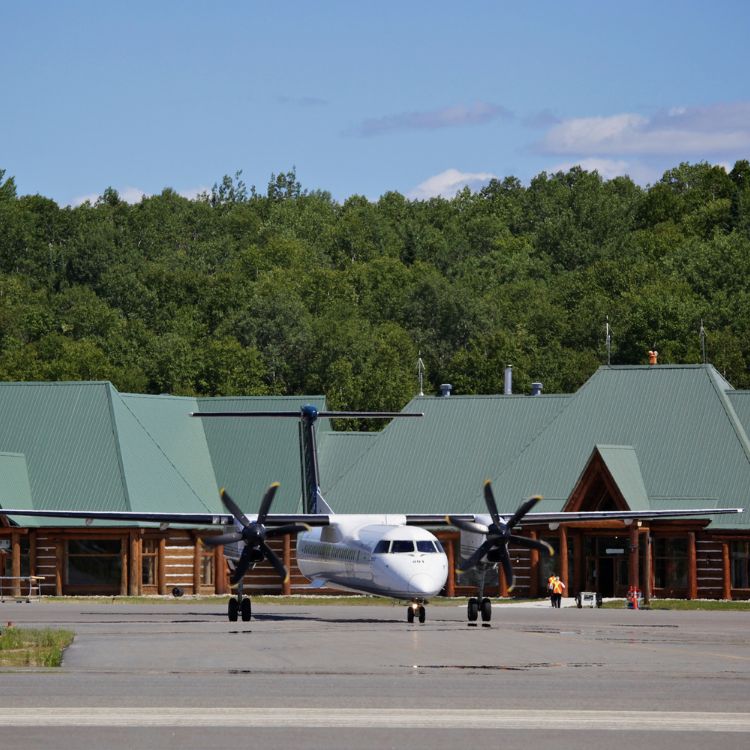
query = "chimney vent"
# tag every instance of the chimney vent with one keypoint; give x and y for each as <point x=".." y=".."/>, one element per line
<point x="536" y="389"/>
<point x="508" y="382"/>
<point x="652" y="357"/>
<point x="445" y="390"/>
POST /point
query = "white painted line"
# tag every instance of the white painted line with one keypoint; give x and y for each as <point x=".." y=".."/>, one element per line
<point x="528" y="720"/>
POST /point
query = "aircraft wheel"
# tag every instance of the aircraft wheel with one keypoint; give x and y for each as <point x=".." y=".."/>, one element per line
<point x="233" y="609"/>
<point x="473" y="609"/>
<point x="486" y="609"/>
<point x="579" y="601"/>
<point x="410" y="614"/>
<point x="422" y="613"/>
<point x="246" y="610"/>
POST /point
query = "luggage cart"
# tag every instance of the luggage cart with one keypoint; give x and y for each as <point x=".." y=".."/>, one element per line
<point x="588" y="599"/>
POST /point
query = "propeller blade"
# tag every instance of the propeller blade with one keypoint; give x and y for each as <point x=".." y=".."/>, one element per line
<point x="460" y="523"/>
<point x="242" y="566"/>
<point x="265" y="504"/>
<point x="489" y="499"/>
<point x="272" y="557"/>
<point x="290" y="528"/>
<point x="233" y="508"/>
<point x="215" y="541"/>
<point x="523" y="509"/>
<point x="538" y="544"/>
<point x="507" y="567"/>
<point x="472" y="562"/>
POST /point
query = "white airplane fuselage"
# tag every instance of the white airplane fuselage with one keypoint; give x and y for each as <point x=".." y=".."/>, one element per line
<point x="376" y="554"/>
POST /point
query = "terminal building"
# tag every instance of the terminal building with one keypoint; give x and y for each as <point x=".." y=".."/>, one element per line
<point x="631" y="438"/>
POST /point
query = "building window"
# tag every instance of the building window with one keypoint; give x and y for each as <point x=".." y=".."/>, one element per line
<point x="739" y="554"/>
<point x="149" y="562"/>
<point x="93" y="562"/>
<point x="670" y="562"/>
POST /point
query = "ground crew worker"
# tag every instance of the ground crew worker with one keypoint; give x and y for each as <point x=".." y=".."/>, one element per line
<point x="557" y="591"/>
<point x="550" y="585"/>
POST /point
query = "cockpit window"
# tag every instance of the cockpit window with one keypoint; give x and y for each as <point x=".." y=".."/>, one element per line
<point x="402" y="545"/>
<point x="381" y="548"/>
<point x="439" y="546"/>
<point x="425" y="545"/>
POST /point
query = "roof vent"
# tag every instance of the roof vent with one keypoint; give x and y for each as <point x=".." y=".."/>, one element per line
<point x="445" y="389"/>
<point x="508" y="381"/>
<point x="536" y="389"/>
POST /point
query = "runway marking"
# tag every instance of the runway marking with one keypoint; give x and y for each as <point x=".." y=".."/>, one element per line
<point x="375" y="718"/>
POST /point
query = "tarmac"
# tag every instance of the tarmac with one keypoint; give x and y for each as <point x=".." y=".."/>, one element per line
<point x="340" y="676"/>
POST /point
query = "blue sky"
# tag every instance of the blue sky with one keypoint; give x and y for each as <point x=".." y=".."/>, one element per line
<point x="363" y="98"/>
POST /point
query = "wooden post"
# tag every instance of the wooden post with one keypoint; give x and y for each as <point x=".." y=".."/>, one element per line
<point x="32" y="552"/>
<point x="220" y="571"/>
<point x="286" y="586"/>
<point x="124" y="558"/>
<point x="15" y="544"/>
<point x="450" y="583"/>
<point x="577" y="577"/>
<point x="59" y="566"/>
<point x="161" y="567"/>
<point x="534" y="568"/>
<point x="633" y="577"/>
<point x="563" y="533"/>
<point x="197" y="554"/>
<point x="692" y="567"/>
<point x="726" y="570"/>
<point x="648" y="578"/>
<point x="502" y="583"/>
<point x="134" y="573"/>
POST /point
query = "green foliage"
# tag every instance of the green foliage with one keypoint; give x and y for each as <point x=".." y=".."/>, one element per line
<point x="287" y="291"/>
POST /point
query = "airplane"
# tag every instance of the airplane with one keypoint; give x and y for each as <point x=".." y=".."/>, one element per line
<point x="394" y="556"/>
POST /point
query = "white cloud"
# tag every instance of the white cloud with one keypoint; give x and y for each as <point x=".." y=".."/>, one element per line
<point x="448" y="183"/>
<point x="682" y="131"/>
<point x="459" y="115"/>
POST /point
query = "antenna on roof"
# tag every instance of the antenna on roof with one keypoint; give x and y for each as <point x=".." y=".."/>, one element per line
<point x="420" y="374"/>
<point x="702" y="334"/>
<point x="608" y="339"/>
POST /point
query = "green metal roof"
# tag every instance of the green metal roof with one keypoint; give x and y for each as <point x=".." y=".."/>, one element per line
<point x="671" y="436"/>
<point x="249" y="454"/>
<point x="15" y="491"/>
<point x="438" y="463"/>
<point x="164" y="454"/>
<point x="622" y="463"/>
<point x="678" y="419"/>
<point x="66" y="432"/>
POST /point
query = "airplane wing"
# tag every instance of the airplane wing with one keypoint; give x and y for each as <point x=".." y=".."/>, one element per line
<point x="192" y="519"/>
<point x="427" y="519"/>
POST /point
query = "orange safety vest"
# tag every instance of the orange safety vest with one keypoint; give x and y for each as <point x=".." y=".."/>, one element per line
<point x="557" y="586"/>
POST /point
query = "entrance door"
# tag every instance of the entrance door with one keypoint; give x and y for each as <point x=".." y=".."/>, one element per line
<point x="605" y="562"/>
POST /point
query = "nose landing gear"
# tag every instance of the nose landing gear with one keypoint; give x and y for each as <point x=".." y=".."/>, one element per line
<point x="416" y="609"/>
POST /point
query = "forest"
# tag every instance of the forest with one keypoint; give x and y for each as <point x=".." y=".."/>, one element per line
<point x="283" y="290"/>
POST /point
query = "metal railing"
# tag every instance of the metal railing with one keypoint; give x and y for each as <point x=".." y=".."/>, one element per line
<point x="12" y="587"/>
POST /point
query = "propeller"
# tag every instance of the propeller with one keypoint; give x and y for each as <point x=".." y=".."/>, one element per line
<point x="254" y="535"/>
<point x="499" y="534"/>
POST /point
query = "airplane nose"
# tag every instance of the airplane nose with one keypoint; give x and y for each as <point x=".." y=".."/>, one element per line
<point x="422" y="585"/>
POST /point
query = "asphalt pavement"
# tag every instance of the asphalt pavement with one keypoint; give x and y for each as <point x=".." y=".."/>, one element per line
<point x="334" y="676"/>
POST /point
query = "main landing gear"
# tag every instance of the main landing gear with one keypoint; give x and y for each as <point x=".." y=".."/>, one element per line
<point x="416" y="609"/>
<point x="239" y="606"/>
<point x="481" y="605"/>
<point x="477" y="607"/>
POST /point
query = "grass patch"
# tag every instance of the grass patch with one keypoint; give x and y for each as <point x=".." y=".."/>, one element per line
<point x="691" y="605"/>
<point x="31" y="647"/>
